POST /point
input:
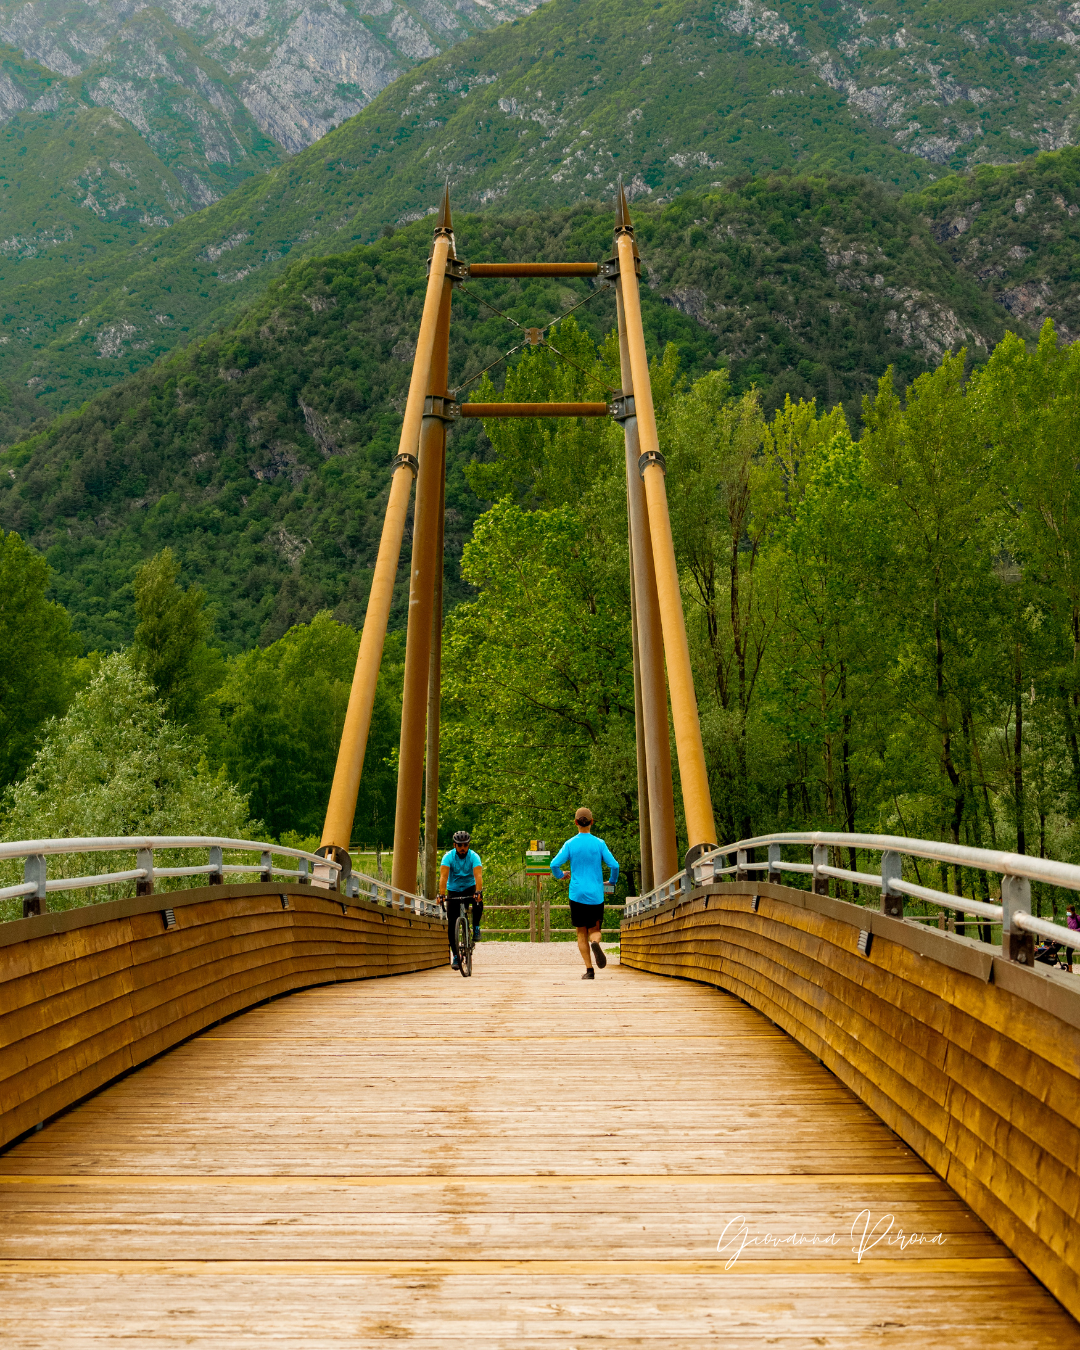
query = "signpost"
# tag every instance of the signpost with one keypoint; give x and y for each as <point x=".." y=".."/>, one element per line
<point x="536" y="865"/>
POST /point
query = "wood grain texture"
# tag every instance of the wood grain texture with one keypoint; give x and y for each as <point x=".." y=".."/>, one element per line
<point x="111" y="986"/>
<point x="520" y="1159"/>
<point x="980" y="1078"/>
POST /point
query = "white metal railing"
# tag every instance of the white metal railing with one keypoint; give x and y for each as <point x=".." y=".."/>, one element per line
<point x="1016" y="872"/>
<point x="311" y="868"/>
<point x="358" y="884"/>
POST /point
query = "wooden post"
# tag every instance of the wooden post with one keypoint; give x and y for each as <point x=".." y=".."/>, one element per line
<point x="416" y="692"/>
<point x="431" y="756"/>
<point x="337" y="829"/>
<point x="645" y="845"/>
<point x="656" y="809"/>
<point x="547" y="919"/>
<point x="697" y="800"/>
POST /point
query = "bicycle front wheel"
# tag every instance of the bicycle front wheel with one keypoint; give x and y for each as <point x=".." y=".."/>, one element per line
<point x="462" y="937"/>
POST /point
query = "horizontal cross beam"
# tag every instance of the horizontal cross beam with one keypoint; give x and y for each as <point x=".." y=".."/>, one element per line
<point x="535" y="269"/>
<point x="534" y="410"/>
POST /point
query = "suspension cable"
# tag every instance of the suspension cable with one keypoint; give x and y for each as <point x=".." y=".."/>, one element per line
<point x="480" y="299"/>
<point x="609" y="387"/>
<point x="497" y="362"/>
<point x="543" y="342"/>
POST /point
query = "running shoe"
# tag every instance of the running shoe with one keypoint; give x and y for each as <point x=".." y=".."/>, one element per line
<point x="599" y="956"/>
<point x="455" y="964"/>
<point x="590" y="974"/>
<point x="476" y="932"/>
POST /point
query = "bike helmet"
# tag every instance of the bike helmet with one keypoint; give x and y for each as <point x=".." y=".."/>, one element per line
<point x="462" y="837"/>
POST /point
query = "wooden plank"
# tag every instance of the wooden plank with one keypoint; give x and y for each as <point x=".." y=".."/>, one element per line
<point x="520" y="1158"/>
<point x="952" y="1064"/>
<point x="88" y="1003"/>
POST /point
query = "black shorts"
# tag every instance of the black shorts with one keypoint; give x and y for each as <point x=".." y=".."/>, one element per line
<point x="586" y="916"/>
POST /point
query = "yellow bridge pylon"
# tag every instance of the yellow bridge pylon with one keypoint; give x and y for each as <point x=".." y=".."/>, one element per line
<point x="659" y="625"/>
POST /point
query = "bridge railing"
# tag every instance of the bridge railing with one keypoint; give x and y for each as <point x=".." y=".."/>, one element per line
<point x="383" y="893"/>
<point x="309" y="869"/>
<point x="1016" y="872"/>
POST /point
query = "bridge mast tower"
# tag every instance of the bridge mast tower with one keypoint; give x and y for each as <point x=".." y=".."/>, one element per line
<point x="658" y="620"/>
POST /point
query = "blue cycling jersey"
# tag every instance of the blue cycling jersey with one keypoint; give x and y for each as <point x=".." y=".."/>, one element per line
<point x="461" y="870"/>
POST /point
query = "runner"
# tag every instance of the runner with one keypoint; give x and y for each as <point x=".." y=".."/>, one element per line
<point x="461" y="877"/>
<point x="586" y="856"/>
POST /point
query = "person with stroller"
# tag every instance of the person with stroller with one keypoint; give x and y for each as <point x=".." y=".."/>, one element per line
<point x="1048" y="952"/>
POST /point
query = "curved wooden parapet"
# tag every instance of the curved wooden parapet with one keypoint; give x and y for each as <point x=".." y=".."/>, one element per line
<point x="972" y="1060"/>
<point x="90" y="993"/>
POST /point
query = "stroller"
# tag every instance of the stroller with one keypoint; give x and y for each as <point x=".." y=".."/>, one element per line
<point x="1047" y="953"/>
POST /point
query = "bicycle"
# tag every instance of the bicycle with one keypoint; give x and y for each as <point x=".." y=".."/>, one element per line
<point x="463" y="933"/>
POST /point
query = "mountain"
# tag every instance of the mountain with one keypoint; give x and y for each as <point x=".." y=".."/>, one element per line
<point x="134" y="116"/>
<point x="298" y="69"/>
<point x="260" y="455"/>
<point x="81" y="177"/>
<point x="545" y="111"/>
<point x="1017" y="234"/>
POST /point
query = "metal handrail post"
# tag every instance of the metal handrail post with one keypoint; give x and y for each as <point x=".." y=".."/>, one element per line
<point x="774" y="874"/>
<point x="144" y="859"/>
<point x="892" y="901"/>
<point x="821" y="859"/>
<point x="1016" y="944"/>
<point x="34" y="872"/>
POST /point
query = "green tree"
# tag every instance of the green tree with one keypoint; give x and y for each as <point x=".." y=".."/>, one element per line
<point x="171" y="644"/>
<point x="944" y="609"/>
<point x="1028" y="409"/>
<point x="37" y="651"/>
<point x="720" y="505"/>
<point x="551" y="461"/>
<point x="115" y="765"/>
<point x="283" y="709"/>
<point x="830" y="665"/>
<point x="538" y="683"/>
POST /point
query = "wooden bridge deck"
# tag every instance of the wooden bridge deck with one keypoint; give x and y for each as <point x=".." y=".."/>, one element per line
<point x="518" y="1159"/>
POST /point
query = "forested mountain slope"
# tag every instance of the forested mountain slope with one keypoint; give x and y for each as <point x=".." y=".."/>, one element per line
<point x="261" y="454"/>
<point x="1016" y="233"/>
<point x="546" y="111"/>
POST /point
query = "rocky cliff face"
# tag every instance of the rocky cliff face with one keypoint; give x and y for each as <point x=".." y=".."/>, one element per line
<point x="222" y="90"/>
<point x="168" y="107"/>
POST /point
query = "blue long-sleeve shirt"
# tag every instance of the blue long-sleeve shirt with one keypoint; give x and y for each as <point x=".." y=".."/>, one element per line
<point x="585" y="855"/>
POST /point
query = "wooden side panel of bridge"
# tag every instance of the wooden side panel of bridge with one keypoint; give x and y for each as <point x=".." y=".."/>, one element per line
<point x="517" y="1159"/>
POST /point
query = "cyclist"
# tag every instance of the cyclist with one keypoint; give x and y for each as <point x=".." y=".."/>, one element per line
<point x="586" y="856"/>
<point x="461" y="877"/>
